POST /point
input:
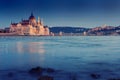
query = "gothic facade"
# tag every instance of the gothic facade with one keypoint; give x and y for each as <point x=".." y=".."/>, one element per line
<point x="29" y="27"/>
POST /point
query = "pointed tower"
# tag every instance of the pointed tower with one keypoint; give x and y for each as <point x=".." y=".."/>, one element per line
<point x="39" y="21"/>
<point x="40" y="27"/>
<point x="42" y="22"/>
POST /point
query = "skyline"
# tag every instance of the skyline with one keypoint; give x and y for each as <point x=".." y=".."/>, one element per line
<point x="81" y="13"/>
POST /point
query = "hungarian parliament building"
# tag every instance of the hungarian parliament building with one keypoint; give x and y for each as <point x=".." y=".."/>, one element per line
<point x="29" y="27"/>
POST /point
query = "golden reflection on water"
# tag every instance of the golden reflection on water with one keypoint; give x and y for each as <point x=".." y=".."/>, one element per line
<point x="30" y="47"/>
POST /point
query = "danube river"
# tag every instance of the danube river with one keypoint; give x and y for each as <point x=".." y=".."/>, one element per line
<point x="78" y="55"/>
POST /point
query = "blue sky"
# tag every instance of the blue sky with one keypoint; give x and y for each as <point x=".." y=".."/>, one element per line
<point x="84" y="13"/>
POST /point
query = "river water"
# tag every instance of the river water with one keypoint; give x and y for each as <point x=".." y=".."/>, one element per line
<point x="81" y="55"/>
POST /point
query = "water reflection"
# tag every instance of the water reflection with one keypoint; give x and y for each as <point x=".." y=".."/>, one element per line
<point x="30" y="47"/>
<point x="25" y="54"/>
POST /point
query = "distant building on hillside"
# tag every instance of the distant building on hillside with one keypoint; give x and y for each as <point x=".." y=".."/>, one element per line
<point x="29" y="27"/>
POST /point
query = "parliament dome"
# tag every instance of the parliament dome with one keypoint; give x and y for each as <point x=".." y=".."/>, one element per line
<point x="31" y="17"/>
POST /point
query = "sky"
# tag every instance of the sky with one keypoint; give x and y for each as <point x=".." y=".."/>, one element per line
<point x="78" y="13"/>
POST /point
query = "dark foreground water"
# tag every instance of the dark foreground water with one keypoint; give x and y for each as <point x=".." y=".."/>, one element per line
<point x="75" y="56"/>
